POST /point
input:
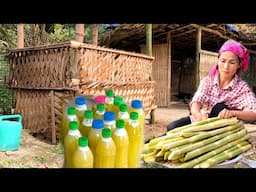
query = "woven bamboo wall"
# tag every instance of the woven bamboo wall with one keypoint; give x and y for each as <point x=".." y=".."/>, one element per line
<point x="45" y="78"/>
<point x="207" y="61"/>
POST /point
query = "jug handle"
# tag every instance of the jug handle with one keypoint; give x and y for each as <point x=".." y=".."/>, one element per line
<point x="5" y="117"/>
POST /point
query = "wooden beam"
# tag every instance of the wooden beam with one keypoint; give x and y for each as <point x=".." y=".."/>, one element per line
<point x="198" y="49"/>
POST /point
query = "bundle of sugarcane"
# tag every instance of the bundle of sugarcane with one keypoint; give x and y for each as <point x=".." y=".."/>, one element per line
<point x="200" y="144"/>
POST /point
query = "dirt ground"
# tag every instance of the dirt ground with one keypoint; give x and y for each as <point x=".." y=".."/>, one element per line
<point x="35" y="152"/>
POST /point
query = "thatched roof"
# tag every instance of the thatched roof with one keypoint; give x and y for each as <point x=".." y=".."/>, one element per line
<point x="125" y="36"/>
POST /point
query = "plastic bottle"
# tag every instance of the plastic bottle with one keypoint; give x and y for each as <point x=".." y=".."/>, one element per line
<point x="83" y="157"/>
<point x="71" y="143"/>
<point x="135" y="137"/>
<point x="95" y="134"/>
<point x="105" y="150"/>
<point x="68" y="116"/>
<point x="136" y="106"/>
<point x="98" y="99"/>
<point x="123" y="113"/>
<point x="86" y="124"/>
<point x="117" y="102"/>
<point x="109" y="99"/>
<point x="121" y="139"/>
<point x="80" y="104"/>
<point x="100" y="110"/>
<point x="110" y="120"/>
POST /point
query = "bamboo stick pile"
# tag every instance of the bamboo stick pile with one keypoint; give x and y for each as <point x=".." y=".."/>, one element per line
<point x="201" y="144"/>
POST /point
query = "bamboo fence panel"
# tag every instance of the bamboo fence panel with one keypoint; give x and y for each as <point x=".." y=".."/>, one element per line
<point x="45" y="78"/>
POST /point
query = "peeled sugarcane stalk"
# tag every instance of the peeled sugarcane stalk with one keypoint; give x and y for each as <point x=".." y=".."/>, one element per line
<point x="207" y="141"/>
<point x="225" y="155"/>
<point x="148" y="149"/>
<point x="212" y="125"/>
<point x="214" y="145"/>
<point x="149" y="157"/>
<point x="202" y="136"/>
<point x="161" y="143"/>
<point x="205" y="121"/>
<point x="192" y="163"/>
<point x="190" y="134"/>
<point x="162" y="138"/>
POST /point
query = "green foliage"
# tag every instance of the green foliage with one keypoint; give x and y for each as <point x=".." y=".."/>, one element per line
<point x="61" y="34"/>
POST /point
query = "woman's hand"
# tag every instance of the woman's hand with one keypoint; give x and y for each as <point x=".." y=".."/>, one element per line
<point x="200" y="116"/>
<point x="226" y="113"/>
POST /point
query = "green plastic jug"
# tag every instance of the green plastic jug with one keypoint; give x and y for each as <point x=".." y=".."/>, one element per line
<point x="10" y="132"/>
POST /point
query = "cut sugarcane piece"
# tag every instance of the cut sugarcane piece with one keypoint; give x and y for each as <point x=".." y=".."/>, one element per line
<point x="193" y="162"/>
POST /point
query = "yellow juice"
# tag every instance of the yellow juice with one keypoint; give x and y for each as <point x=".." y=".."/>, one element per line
<point x="80" y="104"/>
<point x="109" y="99"/>
<point x="95" y="134"/>
<point x="120" y="137"/>
<point x="100" y="110"/>
<point x="68" y="115"/>
<point x="86" y="124"/>
<point x="136" y="106"/>
<point x="83" y="157"/>
<point x="105" y="150"/>
<point x="71" y="143"/>
<point x="134" y="133"/>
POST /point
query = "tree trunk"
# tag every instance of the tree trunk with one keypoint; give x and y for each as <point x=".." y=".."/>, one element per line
<point x="95" y="31"/>
<point x="20" y="35"/>
<point x="79" y="33"/>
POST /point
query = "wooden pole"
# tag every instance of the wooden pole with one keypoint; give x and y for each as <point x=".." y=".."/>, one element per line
<point x="149" y="39"/>
<point x="95" y="32"/>
<point x="79" y="33"/>
<point x="198" y="49"/>
<point x="20" y="36"/>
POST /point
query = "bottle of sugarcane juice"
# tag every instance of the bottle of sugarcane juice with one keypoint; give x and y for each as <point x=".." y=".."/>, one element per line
<point x="86" y="124"/>
<point x="136" y="106"/>
<point x="117" y="102"/>
<point x="68" y="116"/>
<point x="110" y="120"/>
<point x="95" y="134"/>
<point x="71" y="143"/>
<point x="135" y="137"/>
<point x="105" y="151"/>
<point x="123" y="113"/>
<point x="80" y="104"/>
<point x="83" y="157"/>
<point x="100" y="110"/>
<point x="120" y="137"/>
<point x="109" y="99"/>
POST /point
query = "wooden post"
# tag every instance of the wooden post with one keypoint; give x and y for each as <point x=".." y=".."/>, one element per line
<point x="198" y="48"/>
<point x="53" y="118"/>
<point x="169" y="67"/>
<point x="149" y="39"/>
<point x="79" y="33"/>
<point x="20" y="36"/>
<point x="95" y="31"/>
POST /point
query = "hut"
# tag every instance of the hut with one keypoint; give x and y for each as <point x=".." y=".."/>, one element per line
<point x="184" y="53"/>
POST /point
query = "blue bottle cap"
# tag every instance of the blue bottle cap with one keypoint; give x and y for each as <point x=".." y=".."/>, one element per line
<point x="80" y="101"/>
<point x="98" y="124"/>
<point x="109" y="116"/>
<point x="137" y="104"/>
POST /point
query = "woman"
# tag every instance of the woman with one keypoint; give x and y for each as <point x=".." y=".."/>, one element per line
<point x="222" y="92"/>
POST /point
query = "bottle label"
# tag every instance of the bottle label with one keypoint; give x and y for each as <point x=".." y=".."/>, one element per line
<point x="109" y="100"/>
<point x="123" y="115"/>
<point x="134" y="123"/>
<point x="72" y="118"/>
<point x="81" y="107"/>
<point x="87" y="122"/>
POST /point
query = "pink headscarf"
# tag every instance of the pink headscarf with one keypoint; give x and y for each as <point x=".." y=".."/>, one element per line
<point x="236" y="48"/>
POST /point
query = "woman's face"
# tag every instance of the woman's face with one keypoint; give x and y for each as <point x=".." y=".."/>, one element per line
<point x="228" y="64"/>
